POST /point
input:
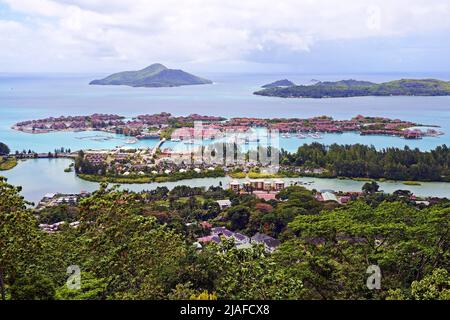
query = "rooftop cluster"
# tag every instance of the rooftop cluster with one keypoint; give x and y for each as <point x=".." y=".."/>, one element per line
<point x="152" y="126"/>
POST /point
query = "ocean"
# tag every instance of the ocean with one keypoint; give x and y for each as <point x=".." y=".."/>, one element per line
<point x="31" y="96"/>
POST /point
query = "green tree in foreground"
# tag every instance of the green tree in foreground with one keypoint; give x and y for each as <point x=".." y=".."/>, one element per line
<point x="33" y="287"/>
<point x="125" y="249"/>
<point x="333" y="250"/>
<point x="21" y="243"/>
<point x="435" y="286"/>
<point x="432" y="287"/>
<point x="140" y="258"/>
<point x="249" y="274"/>
<point x="92" y="288"/>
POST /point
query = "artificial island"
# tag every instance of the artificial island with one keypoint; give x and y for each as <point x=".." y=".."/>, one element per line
<point x="185" y="160"/>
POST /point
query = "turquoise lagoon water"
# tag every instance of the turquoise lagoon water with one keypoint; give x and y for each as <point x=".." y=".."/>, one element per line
<point x="24" y="97"/>
<point x="41" y="176"/>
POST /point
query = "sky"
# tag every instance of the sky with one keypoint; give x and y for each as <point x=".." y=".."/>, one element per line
<point x="298" y="36"/>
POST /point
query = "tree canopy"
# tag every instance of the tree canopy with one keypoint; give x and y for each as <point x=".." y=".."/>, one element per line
<point x="138" y="246"/>
<point x="4" y="149"/>
<point x="363" y="161"/>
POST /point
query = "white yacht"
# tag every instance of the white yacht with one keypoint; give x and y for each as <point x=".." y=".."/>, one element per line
<point x="315" y="135"/>
<point x="131" y="141"/>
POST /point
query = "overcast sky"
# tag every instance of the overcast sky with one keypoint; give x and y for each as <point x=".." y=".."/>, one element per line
<point x="225" y="35"/>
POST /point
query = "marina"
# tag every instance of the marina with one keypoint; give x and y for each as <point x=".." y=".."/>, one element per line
<point x="29" y="103"/>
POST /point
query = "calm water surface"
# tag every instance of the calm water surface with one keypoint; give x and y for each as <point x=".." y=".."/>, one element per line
<point x="41" y="176"/>
<point x="24" y="97"/>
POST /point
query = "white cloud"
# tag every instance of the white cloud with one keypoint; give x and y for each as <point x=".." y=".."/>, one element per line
<point x="104" y="34"/>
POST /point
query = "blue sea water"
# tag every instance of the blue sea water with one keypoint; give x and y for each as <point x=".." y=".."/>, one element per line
<point x="26" y="96"/>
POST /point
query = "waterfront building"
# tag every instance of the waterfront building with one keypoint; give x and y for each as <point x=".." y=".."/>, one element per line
<point x="278" y="185"/>
<point x="235" y="186"/>
<point x="96" y="158"/>
<point x="267" y="185"/>
<point x="258" y="185"/>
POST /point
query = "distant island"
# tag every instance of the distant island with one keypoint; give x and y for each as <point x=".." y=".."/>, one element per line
<point x="355" y="88"/>
<point x="279" y="83"/>
<point x="156" y="75"/>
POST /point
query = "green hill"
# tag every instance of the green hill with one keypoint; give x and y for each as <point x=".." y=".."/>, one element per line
<point x="156" y="75"/>
<point x="279" y="83"/>
<point x="354" y="88"/>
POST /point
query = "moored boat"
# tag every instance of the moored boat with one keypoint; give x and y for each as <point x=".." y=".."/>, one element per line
<point x="315" y="135"/>
<point x="131" y="141"/>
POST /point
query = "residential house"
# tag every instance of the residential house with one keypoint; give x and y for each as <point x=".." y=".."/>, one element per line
<point x="223" y="204"/>
<point x="270" y="244"/>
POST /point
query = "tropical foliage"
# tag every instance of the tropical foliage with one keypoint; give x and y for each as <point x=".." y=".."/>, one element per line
<point x="367" y="162"/>
<point x="139" y="246"/>
<point x="354" y="88"/>
<point x="4" y="149"/>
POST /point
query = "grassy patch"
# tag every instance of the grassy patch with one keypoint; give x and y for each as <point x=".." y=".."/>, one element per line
<point x="7" y="163"/>
<point x="255" y="175"/>
<point x="110" y="179"/>
<point x="238" y="175"/>
<point x="258" y="175"/>
<point x="411" y="183"/>
<point x="363" y="179"/>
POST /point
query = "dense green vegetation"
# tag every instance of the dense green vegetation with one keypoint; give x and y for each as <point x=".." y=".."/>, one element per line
<point x="166" y="133"/>
<point x="353" y="88"/>
<point x="162" y="177"/>
<point x="7" y="163"/>
<point x="279" y="83"/>
<point x="62" y="212"/>
<point x="138" y="246"/>
<point x="407" y="244"/>
<point x="359" y="162"/>
<point x="366" y="162"/>
<point x="4" y="149"/>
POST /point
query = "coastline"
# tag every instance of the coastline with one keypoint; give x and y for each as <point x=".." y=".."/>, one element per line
<point x="52" y="171"/>
<point x="181" y="177"/>
<point x="7" y="164"/>
<point x="44" y="131"/>
<point x="139" y="179"/>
